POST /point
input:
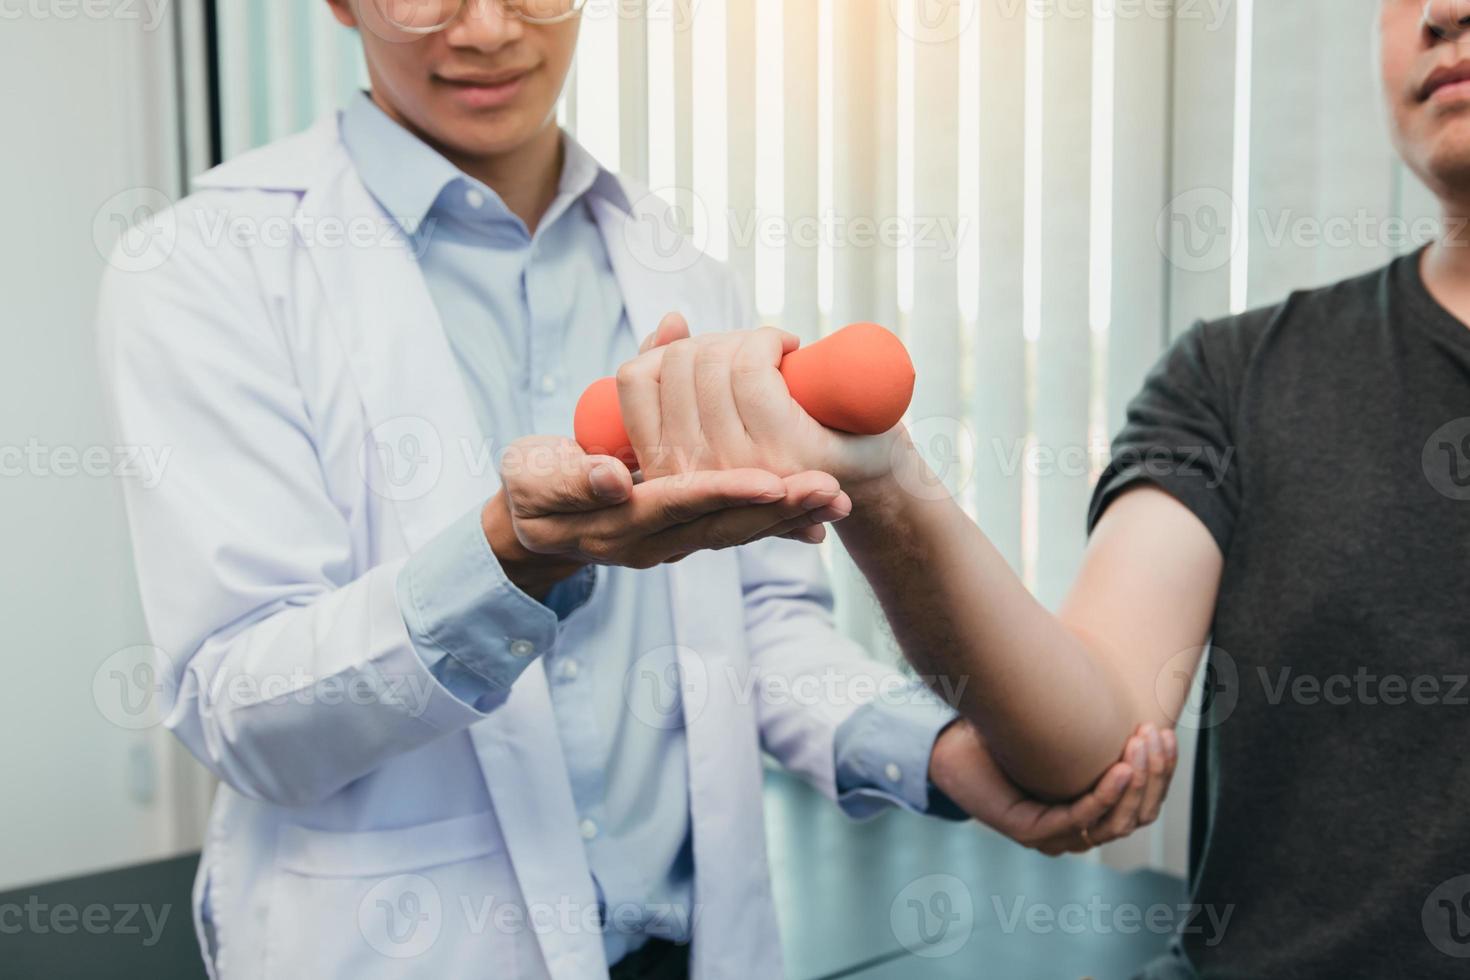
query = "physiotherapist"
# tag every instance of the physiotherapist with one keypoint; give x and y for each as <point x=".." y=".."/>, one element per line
<point x="481" y="705"/>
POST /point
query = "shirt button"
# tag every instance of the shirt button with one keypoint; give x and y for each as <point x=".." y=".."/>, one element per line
<point x="474" y="198"/>
<point x="570" y="670"/>
<point x="589" y="829"/>
<point x="522" y="648"/>
<point x="548" y="384"/>
<point x="892" y="772"/>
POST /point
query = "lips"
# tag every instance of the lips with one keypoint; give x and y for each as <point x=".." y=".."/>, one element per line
<point x="485" y="80"/>
<point x="1443" y="77"/>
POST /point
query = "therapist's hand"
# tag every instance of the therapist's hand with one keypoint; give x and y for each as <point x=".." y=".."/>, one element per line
<point x="560" y="509"/>
<point x="717" y="401"/>
<point x="1127" y="797"/>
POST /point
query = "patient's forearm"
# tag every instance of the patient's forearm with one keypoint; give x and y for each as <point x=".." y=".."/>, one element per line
<point x="1054" y="714"/>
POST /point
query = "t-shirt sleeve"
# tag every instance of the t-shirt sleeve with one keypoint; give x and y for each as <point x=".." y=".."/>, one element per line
<point x="1178" y="434"/>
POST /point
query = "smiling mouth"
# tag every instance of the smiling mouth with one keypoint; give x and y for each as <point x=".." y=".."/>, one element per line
<point x="485" y="91"/>
<point x="486" y="81"/>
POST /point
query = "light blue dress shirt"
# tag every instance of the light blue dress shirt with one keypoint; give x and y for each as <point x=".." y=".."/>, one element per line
<point x="532" y="319"/>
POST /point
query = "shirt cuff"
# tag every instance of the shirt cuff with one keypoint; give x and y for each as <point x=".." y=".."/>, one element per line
<point x="472" y="627"/>
<point x="882" y="756"/>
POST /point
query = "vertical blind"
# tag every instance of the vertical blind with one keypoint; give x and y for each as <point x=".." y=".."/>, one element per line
<point x="1037" y="194"/>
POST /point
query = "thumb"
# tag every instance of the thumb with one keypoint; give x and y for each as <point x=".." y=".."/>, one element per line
<point x="609" y="479"/>
<point x="556" y="477"/>
<point x="671" y="328"/>
<point x="591" y="483"/>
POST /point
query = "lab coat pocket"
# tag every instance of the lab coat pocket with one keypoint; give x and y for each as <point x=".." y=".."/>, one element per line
<point x="390" y="903"/>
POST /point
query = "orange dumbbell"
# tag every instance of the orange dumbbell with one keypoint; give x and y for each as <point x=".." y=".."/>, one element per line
<point x="859" y="379"/>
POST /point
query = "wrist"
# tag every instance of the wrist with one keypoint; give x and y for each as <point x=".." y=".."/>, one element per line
<point x="880" y="493"/>
<point x="948" y="745"/>
<point x="533" y="573"/>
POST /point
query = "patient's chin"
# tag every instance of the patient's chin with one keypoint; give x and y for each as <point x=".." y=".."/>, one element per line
<point x="1441" y="157"/>
<point x="1449" y="169"/>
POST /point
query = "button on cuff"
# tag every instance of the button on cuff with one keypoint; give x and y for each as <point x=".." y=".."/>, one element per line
<point x="458" y="605"/>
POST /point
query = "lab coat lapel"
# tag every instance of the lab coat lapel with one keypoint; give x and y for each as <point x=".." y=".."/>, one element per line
<point x="423" y="449"/>
<point x="410" y="389"/>
<point x="732" y="880"/>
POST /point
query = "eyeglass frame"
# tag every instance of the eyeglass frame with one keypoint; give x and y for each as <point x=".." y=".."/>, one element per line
<point x="510" y="6"/>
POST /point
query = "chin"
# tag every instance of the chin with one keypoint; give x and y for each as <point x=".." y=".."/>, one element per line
<point x="1438" y="150"/>
<point x="1447" y="159"/>
<point x="491" y="132"/>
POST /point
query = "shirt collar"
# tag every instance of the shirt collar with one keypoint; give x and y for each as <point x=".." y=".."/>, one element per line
<point x="408" y="177"/>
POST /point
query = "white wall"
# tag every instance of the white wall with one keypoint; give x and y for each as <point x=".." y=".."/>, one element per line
<point x="88" y="113"/>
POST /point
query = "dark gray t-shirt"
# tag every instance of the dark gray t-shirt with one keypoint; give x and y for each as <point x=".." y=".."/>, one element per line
<point x="1325" y="443"/>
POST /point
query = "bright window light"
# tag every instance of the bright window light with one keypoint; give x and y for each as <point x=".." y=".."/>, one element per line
<point x="1240" y="231"/>
<point x="770" y="149"/>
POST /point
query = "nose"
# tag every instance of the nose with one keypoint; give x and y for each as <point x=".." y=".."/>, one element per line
<point x="487" y="25"/>
<point x="1448" y="20"/>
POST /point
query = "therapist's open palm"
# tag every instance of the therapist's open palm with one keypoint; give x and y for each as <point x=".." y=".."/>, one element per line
<point x="717" y="401"/>
<point x="559" y="509"/>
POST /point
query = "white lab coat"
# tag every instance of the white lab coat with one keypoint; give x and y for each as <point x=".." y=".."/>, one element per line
<point x="371" y="835"/>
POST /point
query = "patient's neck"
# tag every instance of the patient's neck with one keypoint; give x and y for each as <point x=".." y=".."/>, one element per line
<point x="1446" y="267"/>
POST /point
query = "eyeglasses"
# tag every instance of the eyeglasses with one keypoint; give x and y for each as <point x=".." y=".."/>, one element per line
<point x="428" y="16"/>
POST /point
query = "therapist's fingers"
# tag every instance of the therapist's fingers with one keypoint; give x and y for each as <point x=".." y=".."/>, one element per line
<point x="1058" y="829"/>
<point x="668" y="517"/>
<point x="550" y="475"/>
<point x="671" y="328"/>
<point x="1163" y="751"/>
<point x="615" y="535"/>
<point x="738" y="526"/>
<point x="668" y="502"/>
<point x="1122" y="819"/>
<point x="734" y="528"/>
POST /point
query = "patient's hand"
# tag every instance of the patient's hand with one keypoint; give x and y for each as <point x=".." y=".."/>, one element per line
<point x="717" y="401"/>
<point x="1127" y="797"/>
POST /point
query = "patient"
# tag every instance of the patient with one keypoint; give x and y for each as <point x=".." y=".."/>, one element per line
<point x="1288" y="497"/>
